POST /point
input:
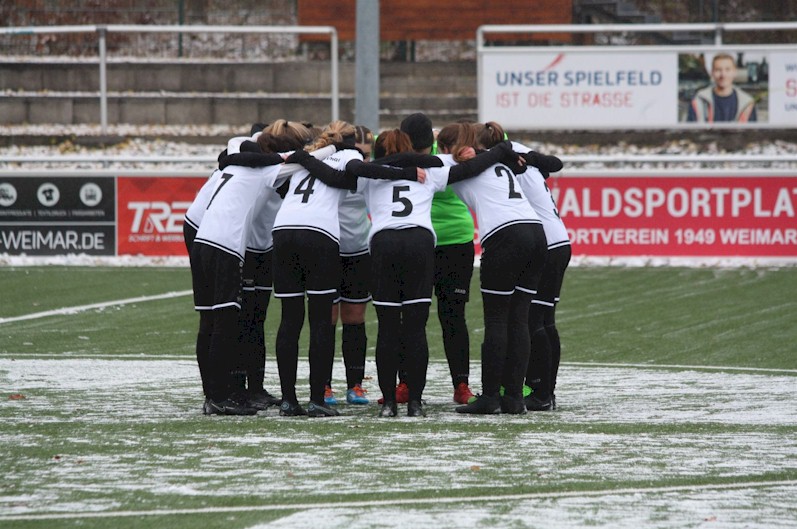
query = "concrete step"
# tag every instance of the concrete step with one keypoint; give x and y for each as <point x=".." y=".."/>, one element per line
<point x="174" y="108"/>
<point x="189" y="77"/>
<point x="200" y="92"/>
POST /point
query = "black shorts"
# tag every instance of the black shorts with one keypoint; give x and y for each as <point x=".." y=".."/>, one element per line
<point x="512" y="259"/>
<point x="402" y="266"/>
<point x="453" y="270"/>
<point x="356" y="278"/>
<point x="553" y="274"/>
<point x="305" y="261"/>
<point x="216" y="277"/>
<point x="258" y="274"/>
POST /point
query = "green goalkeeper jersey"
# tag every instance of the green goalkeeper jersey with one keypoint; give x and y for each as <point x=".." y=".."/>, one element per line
<point x="451" y="219"/>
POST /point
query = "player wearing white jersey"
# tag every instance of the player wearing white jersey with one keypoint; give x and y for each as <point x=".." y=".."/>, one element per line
<point x="217" y="255"/>
<point x="280" y="136"/>
<point x="306" y="260"/>
<point x="513" y="253"/>
<point x="256" y="271"/>
<point x="355" y="290"/>
<point x="545" y="345"/>
<point x="402" y="250"/>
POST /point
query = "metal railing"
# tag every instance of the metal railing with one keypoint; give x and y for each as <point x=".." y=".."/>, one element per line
<point x="103" y="30"/>
<point x="717" y="28"/>
<point x="570" y="160"/>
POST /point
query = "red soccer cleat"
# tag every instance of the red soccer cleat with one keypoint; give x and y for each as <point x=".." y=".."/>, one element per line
<point x="463" y="394"/>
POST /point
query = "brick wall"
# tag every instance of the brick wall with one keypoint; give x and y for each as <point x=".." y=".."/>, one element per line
<point x="435" y="19"/>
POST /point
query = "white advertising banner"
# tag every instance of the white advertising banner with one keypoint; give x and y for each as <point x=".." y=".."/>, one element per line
<point x="579" y="89"/>
<point x="783" y="88"/>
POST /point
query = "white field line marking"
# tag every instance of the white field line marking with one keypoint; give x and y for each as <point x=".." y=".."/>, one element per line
<point x="679" y="366"/>
<point x="190" y="357"/>
<point x="83" y="308"/>
<point x="398" y="502"/>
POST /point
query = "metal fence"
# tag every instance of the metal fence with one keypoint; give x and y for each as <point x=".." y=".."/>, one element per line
<point x="102" y="33"/>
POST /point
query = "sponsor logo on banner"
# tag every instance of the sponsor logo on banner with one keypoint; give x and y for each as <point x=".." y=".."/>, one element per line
<point x="57" y="216"/>
<point x="751" y="216"/>
<point x="560" y="90"/>
<point x="151" y="212"/>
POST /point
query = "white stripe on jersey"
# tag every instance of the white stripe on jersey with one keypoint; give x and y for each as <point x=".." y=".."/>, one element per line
<point x="496" y="199"/>
<point x="400" y="204"/>
<point x="228" y="217"/>
<point x="195" y="212"/>
<point x="310" y="204"/>
<point x="540" y="198"/>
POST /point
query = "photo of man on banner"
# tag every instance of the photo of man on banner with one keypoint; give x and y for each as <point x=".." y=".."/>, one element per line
<point x="723" y="100"/>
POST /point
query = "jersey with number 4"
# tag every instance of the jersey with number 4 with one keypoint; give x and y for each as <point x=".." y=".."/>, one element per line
<point x="401" y="204"/>
<point x="496" y="199"/>
<point x="310" y="204"/>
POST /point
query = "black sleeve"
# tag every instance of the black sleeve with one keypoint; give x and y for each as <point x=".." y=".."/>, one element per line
<point x="546" y="163"/>
<point x="502" y="152"/>
<point x="381" y="172"/>
<point x="331" y="177"/>
<point x="249" y="159"/>
<point x="410" y="159"/>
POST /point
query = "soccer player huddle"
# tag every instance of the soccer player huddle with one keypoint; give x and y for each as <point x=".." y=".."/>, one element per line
<point x="332" y="218"/>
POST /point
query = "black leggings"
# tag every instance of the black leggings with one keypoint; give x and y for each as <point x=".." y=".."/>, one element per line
<point x="456" y="342"/>
<point x="217" y="342"/>
<point x="539" y="372"/>
<point x="322" y="344"/>
<point x="402" y="329"/>
<point x="253" y="344"/>
<point x="505" y="350"/>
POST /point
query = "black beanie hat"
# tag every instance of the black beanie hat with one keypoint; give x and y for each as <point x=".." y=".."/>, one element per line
<point x="419" y="128"/>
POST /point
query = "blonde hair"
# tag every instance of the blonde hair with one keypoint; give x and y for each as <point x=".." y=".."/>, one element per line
<point x="335" y="132"/>
<point x="291" y="129"/>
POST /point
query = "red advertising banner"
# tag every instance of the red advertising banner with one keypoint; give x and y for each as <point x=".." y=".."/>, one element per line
<point x="150" y="214"/>
<point x="679" y="216"/>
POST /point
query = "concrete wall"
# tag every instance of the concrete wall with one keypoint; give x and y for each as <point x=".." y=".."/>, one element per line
<point x="225" y="93"/>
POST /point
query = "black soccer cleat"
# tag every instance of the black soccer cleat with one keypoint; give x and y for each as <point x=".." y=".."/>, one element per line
<point x="262" y="400"/>
<point x="389" y="409"/>
<point x="536" y="404"/>
<point x="415" y="409"/>
<point x="291" y="409"/>
<point x="319" y="410"/>
<point x="227" y="407"/>
<point x="483" y="405"/>
<point x="512" y="405"/>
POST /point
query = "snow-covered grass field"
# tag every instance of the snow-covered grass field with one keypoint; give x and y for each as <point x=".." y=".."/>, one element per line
<point x="677" y="407"/>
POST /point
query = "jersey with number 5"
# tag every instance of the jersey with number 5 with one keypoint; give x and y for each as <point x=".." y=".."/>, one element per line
<point x="399" y="204"/>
